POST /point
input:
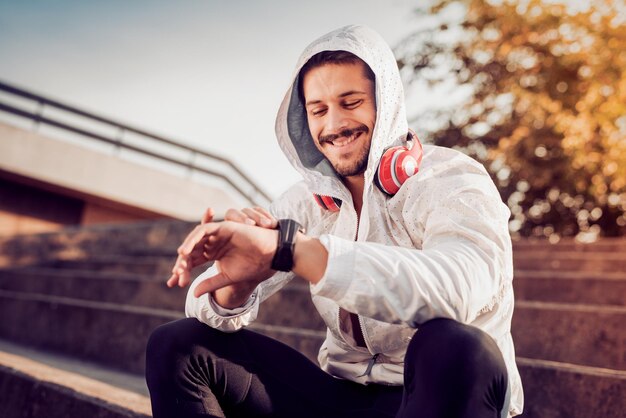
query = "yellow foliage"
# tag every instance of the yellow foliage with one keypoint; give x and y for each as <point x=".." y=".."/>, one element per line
<point x="564" y="63"/>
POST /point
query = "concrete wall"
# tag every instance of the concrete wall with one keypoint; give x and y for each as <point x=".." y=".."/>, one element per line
<point x="49" y="182"/>
<point x="25" y="209"/>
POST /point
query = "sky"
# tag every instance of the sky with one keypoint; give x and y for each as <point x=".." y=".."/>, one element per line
<point x="208" y="73"/>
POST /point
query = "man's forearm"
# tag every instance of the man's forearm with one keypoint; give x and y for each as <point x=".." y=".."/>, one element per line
<point x="310" y="258"/>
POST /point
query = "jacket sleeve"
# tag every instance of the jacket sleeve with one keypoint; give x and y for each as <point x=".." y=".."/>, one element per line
<point x="461" y="269"/>
<point x="206" y="310"/>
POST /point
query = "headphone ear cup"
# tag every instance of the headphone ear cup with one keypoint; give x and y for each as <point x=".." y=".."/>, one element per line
<point x="398" y="164"/>
<point x="328" y="203"/>
<point x="405" y="166"/>
<point x="386" y="178"/>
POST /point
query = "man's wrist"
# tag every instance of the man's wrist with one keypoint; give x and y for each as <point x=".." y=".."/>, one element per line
<point x="310" y="258"/>
<point x="233" y="296"/>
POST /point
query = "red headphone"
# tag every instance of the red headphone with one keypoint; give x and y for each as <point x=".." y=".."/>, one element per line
<point x="329" y="203"/>
<point x="395" y="167"/>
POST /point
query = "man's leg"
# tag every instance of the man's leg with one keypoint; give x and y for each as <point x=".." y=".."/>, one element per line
<point x="453" y="370"/>
<point x="195" y="371"/>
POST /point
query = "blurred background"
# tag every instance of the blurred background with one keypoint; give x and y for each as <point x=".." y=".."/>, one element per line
<point x="121" y="121"/>
<point x="541" y="88"/>
<point x="535" y="90"/>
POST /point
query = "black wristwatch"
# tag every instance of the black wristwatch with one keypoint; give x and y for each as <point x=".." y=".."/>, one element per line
<point x="287" y="230"/>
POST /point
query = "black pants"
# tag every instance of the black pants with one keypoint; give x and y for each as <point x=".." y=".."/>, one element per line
<point x="451" y="370"/>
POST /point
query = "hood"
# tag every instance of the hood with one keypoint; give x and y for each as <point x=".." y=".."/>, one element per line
<point x="390" y="127"/>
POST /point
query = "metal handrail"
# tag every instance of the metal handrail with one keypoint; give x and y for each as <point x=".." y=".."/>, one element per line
<point x="39" y="118"/>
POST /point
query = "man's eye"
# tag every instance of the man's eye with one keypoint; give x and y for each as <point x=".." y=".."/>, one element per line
<point x="353" y="104"/>
<point x="318" y="112"/>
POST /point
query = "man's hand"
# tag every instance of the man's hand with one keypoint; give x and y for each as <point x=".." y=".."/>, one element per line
<point x="243" y="254"/>
<point x="196" y="248"/>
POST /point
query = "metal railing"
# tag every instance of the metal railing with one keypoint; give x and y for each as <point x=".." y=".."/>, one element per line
<point x="236" y="179"/>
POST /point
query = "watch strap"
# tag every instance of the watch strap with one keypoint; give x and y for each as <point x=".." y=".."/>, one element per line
<point x="283" y="258"/>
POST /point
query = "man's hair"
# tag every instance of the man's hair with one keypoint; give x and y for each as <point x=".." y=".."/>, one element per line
<point x="331" y="57"/>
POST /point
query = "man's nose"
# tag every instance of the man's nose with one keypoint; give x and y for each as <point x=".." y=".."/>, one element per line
<point x="336" y="121"/>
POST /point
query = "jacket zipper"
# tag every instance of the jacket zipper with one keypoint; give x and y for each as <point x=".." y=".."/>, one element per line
<point x="372" y="361"/>
<point x="359" y="319"/>
<point x="370" y="365"/>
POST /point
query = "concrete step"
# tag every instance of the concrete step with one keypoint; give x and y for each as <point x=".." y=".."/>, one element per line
<point x="142" y="238"/>
<point x="148" y="290"/>
<point x="581" y="334"/>
<point x="607" y="288"/>
<point x="610" y="245"/>
<point x="31" y="389"/>
<point x="570" y="261"/>
<point x="109" y="334"/>
<point x="564" y="390"/>
<point x="118" y="288"/>
<point x="292" y="306"/>
<point x="28" y="386"/>
<point x="128" y="381"/>
<point x="115" y="334"/>
<point x="556" y="390"/>
<point x="591" y="335"/>
<point x="155" y="266"/>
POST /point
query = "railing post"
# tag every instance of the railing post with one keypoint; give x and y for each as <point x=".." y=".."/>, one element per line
<point x="38" y="114"/>
<point x="118" y="141"/>
<point x="190" y="164"/>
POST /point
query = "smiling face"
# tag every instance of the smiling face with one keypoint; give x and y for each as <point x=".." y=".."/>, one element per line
<point x="341" y="113"/>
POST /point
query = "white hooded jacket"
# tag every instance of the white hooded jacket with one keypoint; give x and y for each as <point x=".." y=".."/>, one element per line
<point x="440" y="247"/>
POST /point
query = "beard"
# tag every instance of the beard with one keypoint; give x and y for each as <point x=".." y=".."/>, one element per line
<point x="359" y="164"/>
<point x="352" y="168"/>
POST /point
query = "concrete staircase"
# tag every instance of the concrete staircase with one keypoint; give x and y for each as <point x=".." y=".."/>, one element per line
<point x="81" y="303"/>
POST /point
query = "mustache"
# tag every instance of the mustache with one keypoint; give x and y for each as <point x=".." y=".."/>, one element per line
<point x="344" y="133"/>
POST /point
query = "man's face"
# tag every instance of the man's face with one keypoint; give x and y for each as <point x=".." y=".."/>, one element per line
<point x="341" y="112"/>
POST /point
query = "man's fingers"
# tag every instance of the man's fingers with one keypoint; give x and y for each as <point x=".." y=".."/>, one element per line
<point x="238" y="216"/>
<point x="178" y="268"/>
<point x="208" y="216"/>
<point x="252" y="216"/>
<point x="195" y="237"/>
<point x="260" y="218"/>
<point x="211" y="284"/>
<point x="186" y="259"/>
<point x="173" y="280"/>
<point x="267" y="214"/>
<point x="180" y="279"/>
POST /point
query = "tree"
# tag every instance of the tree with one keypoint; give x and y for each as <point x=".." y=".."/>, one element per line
<point x="546" y="104"/>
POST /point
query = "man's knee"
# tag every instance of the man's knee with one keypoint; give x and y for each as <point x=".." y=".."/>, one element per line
<point x="452" y="345"/>
<point x="164" y="336"/>
<point x="173" y="337"/>
<point x="452" y="369"/>
<point x="186" y="337"/>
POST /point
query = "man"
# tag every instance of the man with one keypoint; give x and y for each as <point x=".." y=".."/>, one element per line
<point x="409" y="266"/>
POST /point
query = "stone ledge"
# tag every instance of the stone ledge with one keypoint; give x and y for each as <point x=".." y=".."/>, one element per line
<point x="554" y="390"/>
<point x="29" y="389"/>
